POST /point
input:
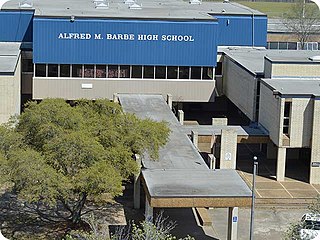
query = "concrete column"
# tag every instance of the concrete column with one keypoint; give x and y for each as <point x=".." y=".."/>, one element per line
<point x="194" y="136"/>
<point x="315" y="149"/>
<point x="281" y="164"/>
<point x="220" y="121"/>
<point x="232" y="223"/>
<point x="136" y="185"/>
<point x="212" y="161"/>
<point x="181" y="116"/>
<point x="228" y="150"/>
<point x="148" y="211"/>
<point x="169" y="100"/>
<point x="271" y="151"/>
<point x="115" y="98"/>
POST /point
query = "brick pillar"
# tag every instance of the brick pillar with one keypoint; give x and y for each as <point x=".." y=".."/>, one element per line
<point x="315" y="144"/>
<point x="228" y="152"/>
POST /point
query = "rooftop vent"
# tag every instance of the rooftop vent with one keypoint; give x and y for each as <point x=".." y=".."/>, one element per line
<point x="315" y="58"/>
<point x="102" y="5"/>
<point x="135" y="6"/>
<point x="25" y="4"/>
<point x="195" y="2"/>
<point x="129" y="1"/>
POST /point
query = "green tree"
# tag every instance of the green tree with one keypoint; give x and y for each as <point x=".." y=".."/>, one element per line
<point x="302" y="19"/>
<point x="59" y="154"/>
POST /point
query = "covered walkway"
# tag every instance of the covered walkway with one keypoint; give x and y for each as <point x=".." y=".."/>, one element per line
<point x="181" y="178"/>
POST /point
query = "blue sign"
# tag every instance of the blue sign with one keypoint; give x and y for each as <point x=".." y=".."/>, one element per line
<point x="235" y="219"/>
<point x="125" y="42"/>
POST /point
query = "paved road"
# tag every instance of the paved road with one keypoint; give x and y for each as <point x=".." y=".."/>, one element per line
<point x="270" y="223"/>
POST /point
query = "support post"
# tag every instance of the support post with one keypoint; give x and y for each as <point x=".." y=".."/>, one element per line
<point x="148" y="211"/>
<point x="194" y="136"/>
<point x="212" y="161"/>
<point x="136" y="184"/>
<point x="253" y="196"/>
<point x="169" y="100"/>
<point x="181" y="116"/>
<point x="232" y="223"/>
<point x="115" y="98"/>
<point x="281" y="164"/>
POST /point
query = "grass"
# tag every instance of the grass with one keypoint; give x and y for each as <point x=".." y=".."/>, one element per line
<point x="272" y="9"/>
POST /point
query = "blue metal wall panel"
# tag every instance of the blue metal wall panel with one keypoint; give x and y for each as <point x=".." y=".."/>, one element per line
<point x="49" y="46"/>
<point x="237" y="30"/>
<point x="16" y="26"/>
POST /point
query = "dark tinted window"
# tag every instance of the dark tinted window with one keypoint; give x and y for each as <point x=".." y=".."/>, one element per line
<point x="40" y="70"/>
<point x="76" y="70"/>
<point x="101" y="71"/>
<point x="52" y="70"/>
<point x="64" y="70"/>
<point x="136" y="72"/>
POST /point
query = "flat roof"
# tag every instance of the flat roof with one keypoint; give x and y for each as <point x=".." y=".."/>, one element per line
<point x="196" y="188"/>
<point x="9" y="55"/>
<point x="179" y="152"/>
<point x="252" y="59"/>
<point x="151" y="9"/>
<point x="294" y="86"/>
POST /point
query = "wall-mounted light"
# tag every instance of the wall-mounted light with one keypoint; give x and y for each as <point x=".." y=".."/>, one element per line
<point x="72" y="18"/>
<point x="228" y="22"/>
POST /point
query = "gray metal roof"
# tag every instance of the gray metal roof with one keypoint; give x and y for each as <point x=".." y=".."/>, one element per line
<point x="9" y="55"/>
<point x="252" y="59"/>
<point x="179" y="152"/>
<point x="195" y="183"/>
<point x="294" y="86"/>
<point x="151" y="9"/>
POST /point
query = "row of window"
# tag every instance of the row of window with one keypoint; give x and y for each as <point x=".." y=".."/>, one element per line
<point x="122" y="71"/>
<point x="293" y="46"/>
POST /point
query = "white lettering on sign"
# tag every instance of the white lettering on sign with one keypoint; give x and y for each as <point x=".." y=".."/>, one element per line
<point x="128" y="37"/>
<point x="74" y="36"/>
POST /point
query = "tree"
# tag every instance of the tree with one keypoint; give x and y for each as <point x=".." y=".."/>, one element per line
<point x="159" y="230"/>
<point x="293" y="231"/>
<point x="59" y="154"/>
<point x="302" y="19"/>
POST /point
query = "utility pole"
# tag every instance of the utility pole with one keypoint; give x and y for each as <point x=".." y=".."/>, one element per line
<point x="255" y="167"/>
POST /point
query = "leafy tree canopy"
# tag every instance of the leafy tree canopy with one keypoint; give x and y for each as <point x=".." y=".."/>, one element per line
<point x="58" y="153"/>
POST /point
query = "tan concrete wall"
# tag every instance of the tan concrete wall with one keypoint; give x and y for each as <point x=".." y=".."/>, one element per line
<point x="70" y="88"/>
<point x="228" y="152"/>
<point x="301" y="122"/>
<point x="240" y="87"/>
<point x="270" y="113"/>
<point x="296" y="70"/>
<point x="10" y="94"/>
<point x="315" y="145"/>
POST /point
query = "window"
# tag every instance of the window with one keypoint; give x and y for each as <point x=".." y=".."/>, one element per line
<point x="148" y="72"/>
<point x="207" y="73"/>
<point x="283" y="45"/>
<point x="52" y="70"/>
<point x="195" y="72"/>
<point x="218" y="69"/>
<point x="41" y="70"/>
<point x="76" y="70"/>
<point x="64" y="70"/>
<point x="100" y="71"/>
<point x="27" y="66"/>
<point x="136" y="72"/>
<point x="286" y="118"/>
<point x="172" y="72"/>
<point x="113" y="71"/>
<point x="125" y="71"/>
<point x="292" y="45"/>
<point x="274" y="45"/>
<point x="88" y="71"/>
<point x="160" y="72"/>
<point x="183" y="72"/>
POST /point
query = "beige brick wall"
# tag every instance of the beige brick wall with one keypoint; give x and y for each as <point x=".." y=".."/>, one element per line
<point x="315" y="145"/>
<point x="240" y="87"/>
<point x="296" y="70"/>
<point x="10" y="95"/>
<point x="270" y="113"/>
<point x="301" y="122"/>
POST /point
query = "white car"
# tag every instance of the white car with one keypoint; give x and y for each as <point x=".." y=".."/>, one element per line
<point x="310" y="227"/>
